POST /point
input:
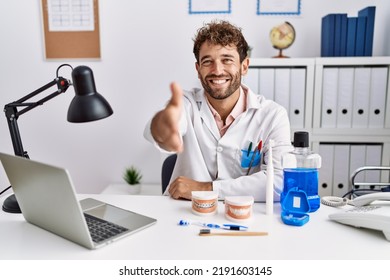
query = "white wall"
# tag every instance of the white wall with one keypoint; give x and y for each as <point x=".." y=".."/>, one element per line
<point x="145" y="44"/>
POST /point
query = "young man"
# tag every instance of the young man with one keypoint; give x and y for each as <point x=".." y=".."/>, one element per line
<point x="216" y="130"/>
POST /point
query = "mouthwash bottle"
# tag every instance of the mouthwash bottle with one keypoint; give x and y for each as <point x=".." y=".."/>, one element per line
<point x="300" y="169"/>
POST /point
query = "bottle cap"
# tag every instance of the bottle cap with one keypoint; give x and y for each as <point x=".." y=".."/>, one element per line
<point x="301" y="139"/>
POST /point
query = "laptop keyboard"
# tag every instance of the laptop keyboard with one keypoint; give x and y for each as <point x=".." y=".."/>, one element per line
<point x="101" y="230"/>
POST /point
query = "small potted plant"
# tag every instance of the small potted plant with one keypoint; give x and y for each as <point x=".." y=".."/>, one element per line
<point x="133" y="177"/>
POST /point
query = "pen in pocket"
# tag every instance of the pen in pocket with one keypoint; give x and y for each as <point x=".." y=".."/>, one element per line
<point x="257" y="150"/>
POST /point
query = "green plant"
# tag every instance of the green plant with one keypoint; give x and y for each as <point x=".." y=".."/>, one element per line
<point x="132" y="175"/>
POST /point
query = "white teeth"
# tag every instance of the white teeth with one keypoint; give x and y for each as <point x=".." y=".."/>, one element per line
<point x="218" y="81"/>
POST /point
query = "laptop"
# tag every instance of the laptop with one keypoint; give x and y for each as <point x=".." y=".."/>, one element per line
<point x="47" y="199"/>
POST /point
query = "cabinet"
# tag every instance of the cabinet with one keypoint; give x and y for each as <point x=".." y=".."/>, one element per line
<point x="343" y="102"/>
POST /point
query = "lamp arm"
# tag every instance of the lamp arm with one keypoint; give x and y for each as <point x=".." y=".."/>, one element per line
<point x="12" y="114"/>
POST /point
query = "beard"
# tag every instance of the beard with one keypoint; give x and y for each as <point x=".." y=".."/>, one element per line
<point x="235" y="83"/>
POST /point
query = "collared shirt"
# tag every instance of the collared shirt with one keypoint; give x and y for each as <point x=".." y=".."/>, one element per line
<point x="238" y="109"/>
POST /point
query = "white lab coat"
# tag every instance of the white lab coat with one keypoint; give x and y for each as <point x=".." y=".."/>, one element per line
<point x="209" y="157"/>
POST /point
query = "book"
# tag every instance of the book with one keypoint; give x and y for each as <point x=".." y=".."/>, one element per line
<point x="340" y="34"/>
<point x="343" y="35"/>
<point x="351" y="36"/>
<point x="369" y="13"/>
<point x="327" y="35"/>
<point x="360" y="36"/>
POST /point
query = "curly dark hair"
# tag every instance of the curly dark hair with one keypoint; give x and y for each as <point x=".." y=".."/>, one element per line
<point x="221" y="33"/>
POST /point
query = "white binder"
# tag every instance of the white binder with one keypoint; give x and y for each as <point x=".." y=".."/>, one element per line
<point x="325" y="173"/>
<point x="267" y="82"/>
<point x="282" y="87"/>
<point x="329" y="97"/>
<point x="373" y="158"/>
<point x="361" y="97"/>
<point x="378" y="87"/>
<point x="341" y="169"/>
<point x="357" y="160"/>
<point x="345" y="98"/>
<point x="251" y="79"/>
<point x="297" y="97"/>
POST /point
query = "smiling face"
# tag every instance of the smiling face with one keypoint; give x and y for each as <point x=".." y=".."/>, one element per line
<point x="219" y="70"/>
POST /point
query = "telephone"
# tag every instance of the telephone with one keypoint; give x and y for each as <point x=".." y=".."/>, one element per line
<point x="370" y="211"/>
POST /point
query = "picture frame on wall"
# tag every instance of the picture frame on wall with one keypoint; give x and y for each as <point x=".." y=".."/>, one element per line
<point x="278" y="7"/>
<point x="209" y="6"/>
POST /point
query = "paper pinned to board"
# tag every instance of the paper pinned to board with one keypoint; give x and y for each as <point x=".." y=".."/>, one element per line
<point x="76" y="15"/>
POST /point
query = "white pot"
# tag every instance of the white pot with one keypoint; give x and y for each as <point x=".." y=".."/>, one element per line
<point x="134" y="189"/>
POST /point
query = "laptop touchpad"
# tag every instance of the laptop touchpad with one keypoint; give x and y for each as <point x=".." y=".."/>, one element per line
<point x="125" y="218"/>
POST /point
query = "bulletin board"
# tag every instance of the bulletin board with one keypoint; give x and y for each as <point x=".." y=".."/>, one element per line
<point x="71" y="44"/>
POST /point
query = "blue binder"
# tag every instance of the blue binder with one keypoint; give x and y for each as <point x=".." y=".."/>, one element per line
<point x="328" y="35"/>
<point x="360" y="35"/>
<point x="369" y="13"/>
<point x="351" y="36"/>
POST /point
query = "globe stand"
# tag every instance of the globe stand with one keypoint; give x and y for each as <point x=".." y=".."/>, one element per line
<point x="281" y="55"/>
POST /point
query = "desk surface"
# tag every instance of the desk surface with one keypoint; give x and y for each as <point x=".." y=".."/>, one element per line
<point x="319" y="239"/>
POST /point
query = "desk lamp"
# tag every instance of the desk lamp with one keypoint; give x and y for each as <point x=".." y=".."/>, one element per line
<point x="87" y="105"/>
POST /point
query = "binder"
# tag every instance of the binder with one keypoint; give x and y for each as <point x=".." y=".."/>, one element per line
<point x="339" y="33"/>
<point x="327" y="35"/>
<point x="373" y="158"/>
<point x="378" y="89"/>
<point x="325" y="173"/>
<point x="329" y="97"/>
<point x="369" y="13"/>
<point x="360" y="36"/>
<point x="251" y="79"/>
<point x="357" y="160"/>
<point x="344" y="28"/>
<point x="297" y="100"/>
<point x="345" y="97"/>
<point x="282" y="87"/>
<point x="351" y="36"/>
<point x="341" y="170"/>
<point x="361" y="97"/>
<point x="267" y="82"/>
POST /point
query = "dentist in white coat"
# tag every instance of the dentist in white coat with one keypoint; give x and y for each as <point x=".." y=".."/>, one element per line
<point x="217" y="131"/>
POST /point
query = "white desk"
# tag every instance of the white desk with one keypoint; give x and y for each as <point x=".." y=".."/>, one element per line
<point x="122" y="188"/>
<point x="319" y="239"/>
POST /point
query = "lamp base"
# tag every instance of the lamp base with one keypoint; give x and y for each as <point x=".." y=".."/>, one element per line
<point x="11" y="205"/>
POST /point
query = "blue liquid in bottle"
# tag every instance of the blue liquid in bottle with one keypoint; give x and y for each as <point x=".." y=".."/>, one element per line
<point x="300" y="169"/>
<point x="305" y="179"/>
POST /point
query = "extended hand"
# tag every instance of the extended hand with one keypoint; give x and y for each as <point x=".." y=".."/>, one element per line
<point x="165" y="124"/>
<point x="182" y="187"/>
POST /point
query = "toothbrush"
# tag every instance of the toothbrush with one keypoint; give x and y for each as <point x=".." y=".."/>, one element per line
<point x="269" y="196"/>
<point x="210" y="225"/>
<point x="207" y="232"/>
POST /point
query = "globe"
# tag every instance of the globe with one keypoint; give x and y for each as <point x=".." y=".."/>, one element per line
<point x="282" y="36"/>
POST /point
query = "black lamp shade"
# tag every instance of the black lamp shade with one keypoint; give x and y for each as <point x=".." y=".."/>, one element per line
<point x="87" y="105"/>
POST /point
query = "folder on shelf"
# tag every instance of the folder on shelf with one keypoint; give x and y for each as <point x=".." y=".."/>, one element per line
<point x="357" y="159"/>
<point x="282" y="87"/>
<point x="267" y="83"/>
<point x="327" y="35"/>
<point x="360" y="36"/>
<point x="340" y="34"/>
<point x="341" y="170"/>
<point x="297" y="97"/>
<point x="373" y="158"/>
<point x="325" y="174"/>
<point x="251" y="79"/>
<point x="369" y="13"/>
<point x="345" y="97"/>
<point x="329" y="97"/>
<point x="361" y="97"/>
<point x="351" y="36"/>
<point x="378" y="90"/>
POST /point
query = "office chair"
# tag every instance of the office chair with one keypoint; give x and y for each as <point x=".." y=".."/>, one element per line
<point x="166" y="171"/>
